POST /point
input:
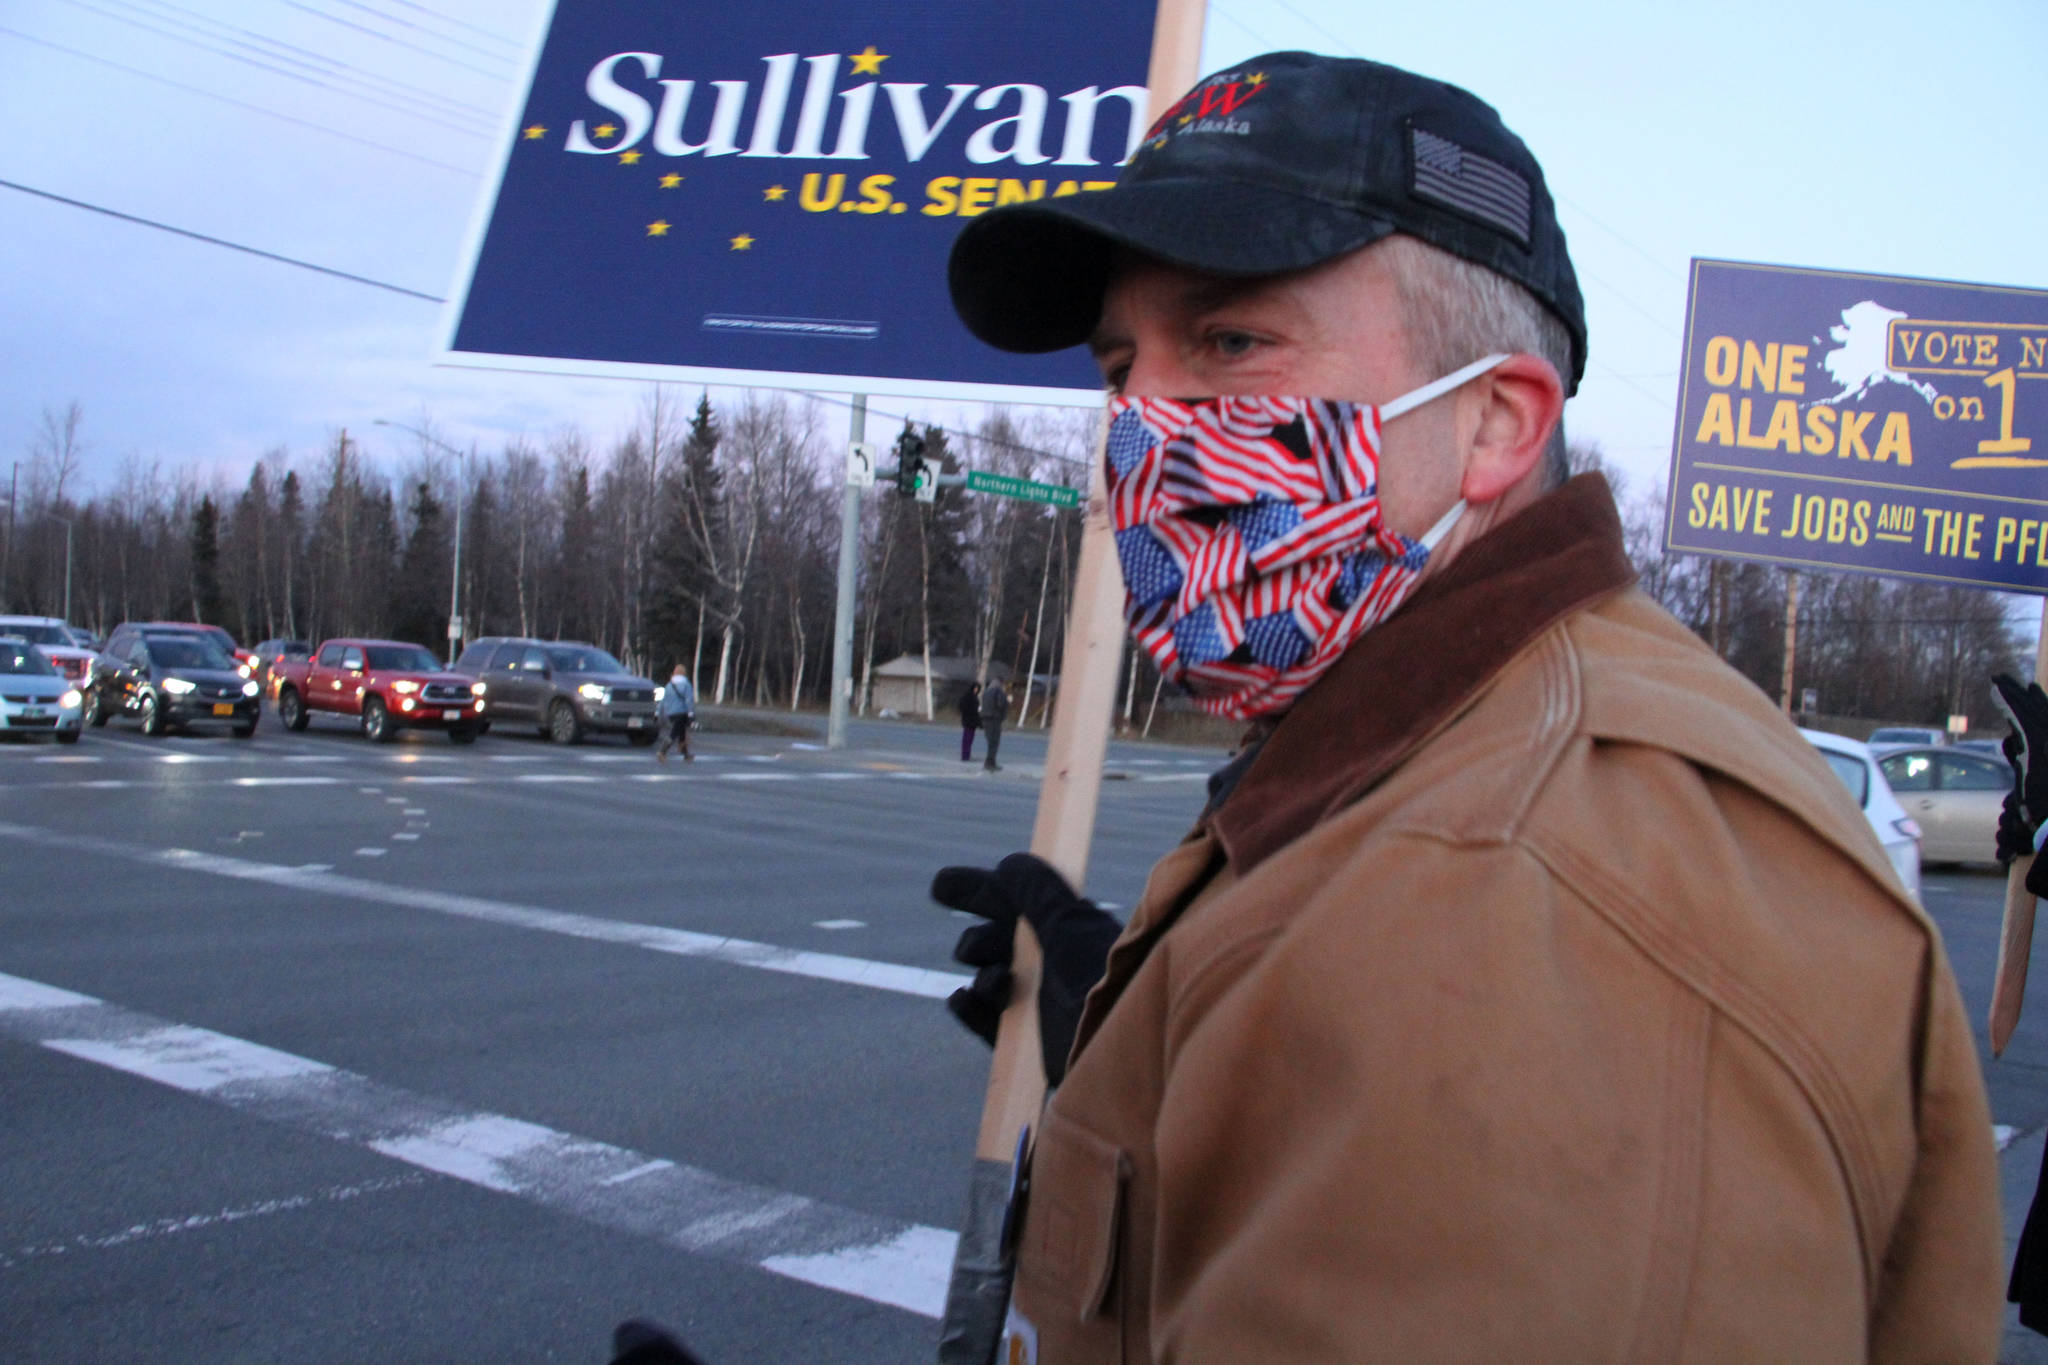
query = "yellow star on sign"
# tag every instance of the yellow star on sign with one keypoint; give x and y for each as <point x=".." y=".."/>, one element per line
<point x="774" y="194"/>
<point x="657" y="228"/>
<point x="868" y="63"/>
<point x="629" y="158"/>
<point x="742" y="242"/>
<point x="1187" y="118"/>
<point x="671" y="180"/>
<point x="605" y="129"/>
<point x="536" y="133"/>
<point x="1257" y="78"/>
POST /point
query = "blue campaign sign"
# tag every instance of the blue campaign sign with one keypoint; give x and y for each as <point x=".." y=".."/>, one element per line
<point x="765" y="193"/>
<point x="1869" y="423"/>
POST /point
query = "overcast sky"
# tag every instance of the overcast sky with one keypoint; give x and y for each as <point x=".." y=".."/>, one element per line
<point x="1892" y="138"/>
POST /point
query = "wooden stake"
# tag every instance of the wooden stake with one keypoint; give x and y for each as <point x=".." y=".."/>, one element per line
<point x="2016" y="932"/>
<point x="977" y="1300"/>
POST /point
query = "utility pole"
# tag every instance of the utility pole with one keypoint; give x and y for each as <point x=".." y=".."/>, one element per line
<point x="849" y="549"/>
<point x="7" y="552"/>
<point x="1791" y="635"/>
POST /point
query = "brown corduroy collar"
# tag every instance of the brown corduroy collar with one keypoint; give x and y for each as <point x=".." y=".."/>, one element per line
<point x="1422" y="665"/>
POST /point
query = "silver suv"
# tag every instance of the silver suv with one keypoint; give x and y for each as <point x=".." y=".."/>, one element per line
<point x="564" y="687"/>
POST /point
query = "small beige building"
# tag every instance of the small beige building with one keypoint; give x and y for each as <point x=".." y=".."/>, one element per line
<point x="899" y="684"/>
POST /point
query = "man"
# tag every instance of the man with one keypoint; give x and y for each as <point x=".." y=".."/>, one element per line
<point x="995" y="709"/>
<point x="970" y="719"/>
<point x="1529" y="990"/>
<point x="678" y="713"/>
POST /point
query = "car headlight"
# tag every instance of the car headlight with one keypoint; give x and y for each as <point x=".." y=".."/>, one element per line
<point x="660" y="692"/>
<point x="72" y="699"/>
<point x="407" y="685"/>
<point x="250" y="689"/>
<point x="591" y="692"/>
<point x="477" y="689"/>
<point x="177" y="687"/>
<point x="246" y="671"/>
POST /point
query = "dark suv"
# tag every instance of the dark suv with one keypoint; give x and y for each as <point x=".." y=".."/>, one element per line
<point x="563" y="686"/>
<point x="170" y="675"/>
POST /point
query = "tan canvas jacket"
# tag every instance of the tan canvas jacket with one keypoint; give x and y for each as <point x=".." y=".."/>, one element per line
<point x="1538" y="995"/>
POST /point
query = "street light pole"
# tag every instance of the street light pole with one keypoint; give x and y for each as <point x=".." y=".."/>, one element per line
<point x="455" y="622"/>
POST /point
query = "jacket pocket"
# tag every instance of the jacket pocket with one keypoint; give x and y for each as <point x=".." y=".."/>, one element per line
<point x="1073" y="1229"/>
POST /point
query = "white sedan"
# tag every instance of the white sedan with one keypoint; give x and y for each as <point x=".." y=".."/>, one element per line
<point x="35" y="699"/>
<point x="1853" y="763"/>
<point x="1956" y="796"/>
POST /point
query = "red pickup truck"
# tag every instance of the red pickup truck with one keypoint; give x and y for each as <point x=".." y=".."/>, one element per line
<point x="385" y="684"/>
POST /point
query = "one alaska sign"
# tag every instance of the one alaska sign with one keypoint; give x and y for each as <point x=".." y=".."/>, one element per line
<point x="766" y="193"/>
<point x="1864" y="422"/>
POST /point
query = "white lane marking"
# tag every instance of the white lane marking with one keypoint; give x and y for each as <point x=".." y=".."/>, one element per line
<point x="1174" y="777"/>
<point x="557" y="777"/>
<point x="190" y="758"/>
<point x="883" y="1260"/>
<point x="799" y="744"/>
<point x="413" y="810"/>
<point x="106" y="784"/>
<point x="900" y="1272"/>
<point x="428" y="780"/>
<point x="738" y="952"/>
<point x="369" y="791"/>
<point x="167" y="1227"/>
<point x="70" y="758"/>
<point x="405" y="836"/>
<point x="757" y="777"/>
<point x="842" y="777"/>
<point x="284" y="781"/>
<point x="317" y="758"/>
<point x="314" y="867"/>
<point x="394" y="800"/>
<point x="516" y="758"/>
<point x="839" y="924"/>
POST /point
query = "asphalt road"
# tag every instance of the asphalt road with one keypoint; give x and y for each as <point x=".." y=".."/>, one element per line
<point x="313" y="1050"/>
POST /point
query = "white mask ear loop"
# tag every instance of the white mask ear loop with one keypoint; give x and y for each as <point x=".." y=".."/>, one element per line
<point x="1444" y="523"/>
<point x="1415" y="398"/>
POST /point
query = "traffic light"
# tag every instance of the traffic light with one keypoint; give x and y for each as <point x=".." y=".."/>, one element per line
<point x="909" y="461"/>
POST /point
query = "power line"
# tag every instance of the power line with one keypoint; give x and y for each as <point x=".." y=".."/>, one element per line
<point x="422" y="28"/>
<point x="218" y="241"/>
<point x="314" y="61"/>
<point x="461" y="23"/>
<point x="387" y="38"/>
<point x="240" y="104"/>
<point x="274" y="70"/>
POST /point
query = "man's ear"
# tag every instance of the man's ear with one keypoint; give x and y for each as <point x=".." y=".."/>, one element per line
<point x="1518" y="404"/>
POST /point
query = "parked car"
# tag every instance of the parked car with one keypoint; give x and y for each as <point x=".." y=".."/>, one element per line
<point x="171" y="676"/>
<point x="564" y="687"/>
<point x="124" y="635"/>
<point x="384" y="685"/>
<point x="1860" y="773"/>
<point x="57" y="641"/>
<point x="36" y="699"/>
<point x="1990" y="748"/>
<point x="1906" y="734"/>
<point x="268" y="652"/>
<point x="1955" y="795"/>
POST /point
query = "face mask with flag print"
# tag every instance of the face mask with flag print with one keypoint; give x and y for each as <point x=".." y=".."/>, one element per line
<point x="1253" y="546"/>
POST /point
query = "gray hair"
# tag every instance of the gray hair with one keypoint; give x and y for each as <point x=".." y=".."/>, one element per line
<point x="1459" y="311"/>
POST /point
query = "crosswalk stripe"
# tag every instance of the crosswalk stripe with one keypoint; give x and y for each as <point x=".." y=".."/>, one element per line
<point x="883" y="1260"/>
<point x="737" y="952"/>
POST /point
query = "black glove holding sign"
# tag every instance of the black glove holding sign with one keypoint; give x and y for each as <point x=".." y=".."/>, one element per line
<point x="1074" y="934"/>
<point x="2026" y="748"/>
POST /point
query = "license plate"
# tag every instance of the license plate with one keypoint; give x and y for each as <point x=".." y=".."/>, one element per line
<point x="451" y="715"/>
<point x="636" y="722"/>
<point x="34" y="712"/>
<point x="221" y="708"/>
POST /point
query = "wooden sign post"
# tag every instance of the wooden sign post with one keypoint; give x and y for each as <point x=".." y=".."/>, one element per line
<point x="978" y="1298"/>
<point x="2016" y="934"/>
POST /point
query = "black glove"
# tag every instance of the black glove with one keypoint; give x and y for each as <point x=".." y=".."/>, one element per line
<point x="2026" y="748"/>
<point x="637" y="1341"/>
<point x="1073" y="933"/>
<point x="2015" y="835"/>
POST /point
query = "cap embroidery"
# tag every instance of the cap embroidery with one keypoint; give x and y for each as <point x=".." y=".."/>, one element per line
<point x="1468" y="183"/>
<point x="1208" y="108"/>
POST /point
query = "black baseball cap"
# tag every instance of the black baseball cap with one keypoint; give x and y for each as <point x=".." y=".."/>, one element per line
<point x="1279" y="163"/>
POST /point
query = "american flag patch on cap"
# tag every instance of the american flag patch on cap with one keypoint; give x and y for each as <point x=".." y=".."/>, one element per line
<point x="1473" y="185"/>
